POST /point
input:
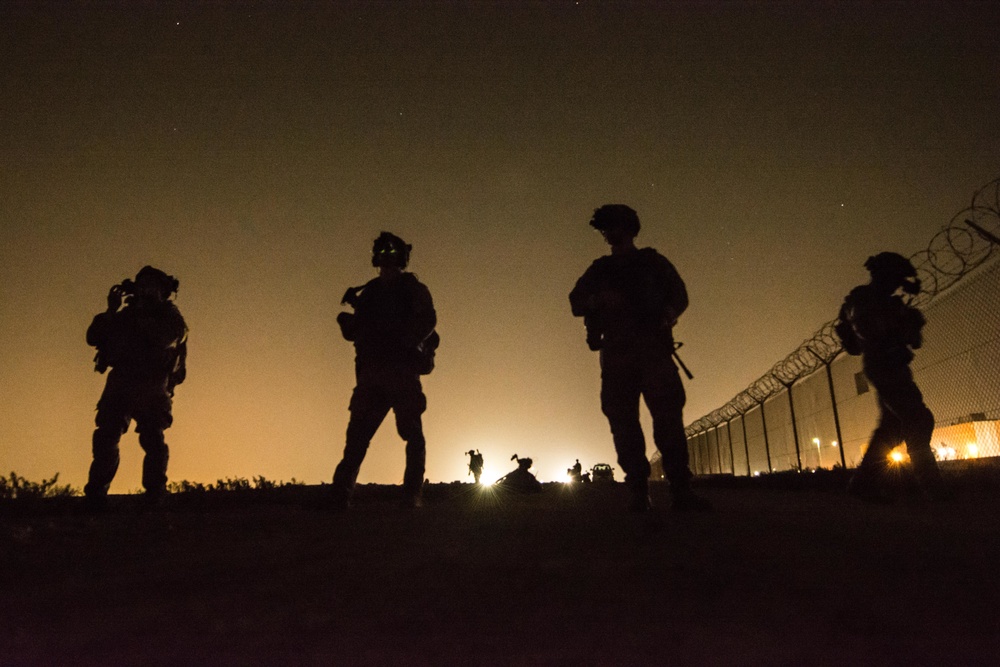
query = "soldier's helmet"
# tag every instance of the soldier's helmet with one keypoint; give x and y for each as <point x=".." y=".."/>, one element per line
<point x="390" y="249"/>
<point x="166" y="283"/>
<point x="615" y="215"/>
<point x="893" y="267"/>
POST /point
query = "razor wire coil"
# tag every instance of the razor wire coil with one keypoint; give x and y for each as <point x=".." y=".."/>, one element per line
<point x="969" y="239"/>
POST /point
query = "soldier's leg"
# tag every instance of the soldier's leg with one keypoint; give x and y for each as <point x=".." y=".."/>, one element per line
<point x="903" y="399"/>
<point x="886" y="437"/>
<point x="368" y="408"/>
<point x="106" y="459"/>
<point x="151" y="420"/>
<point x="154" y="464"/>
<point x="871" y="476"/>
<point x="409" y="405"/>
<point x="620" y="390"/>
<point x="665" y="398"/>
<point x="112" y="422"/>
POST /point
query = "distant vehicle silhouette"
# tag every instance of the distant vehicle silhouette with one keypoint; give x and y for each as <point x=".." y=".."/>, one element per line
<point x="602" y="472"/>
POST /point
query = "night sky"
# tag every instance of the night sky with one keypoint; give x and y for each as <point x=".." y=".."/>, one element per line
<point x="255" y="151"/>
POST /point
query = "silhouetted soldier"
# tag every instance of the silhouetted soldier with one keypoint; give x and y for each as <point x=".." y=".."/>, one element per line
<point x="392" y="328"/>
<point x="475" y="464"/>
<point x="630" y="300"/>
<point x="576" y="472"/>
<point x="521" y="478"/>
<point x="142" y="338"/>
<point x="878" y="324"/>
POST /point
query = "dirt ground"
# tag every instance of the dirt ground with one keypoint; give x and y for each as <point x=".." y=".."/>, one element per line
<point x="770" y="577"/>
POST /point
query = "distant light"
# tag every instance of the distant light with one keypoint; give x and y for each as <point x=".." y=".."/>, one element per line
<point x="973" y="450"/>
<point x="816" y="441"/>
<point x="896" y="456"/>
<point x="834" y="443"/>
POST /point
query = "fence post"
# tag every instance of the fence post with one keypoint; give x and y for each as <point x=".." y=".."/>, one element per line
<point x="795" y="428"/>
<point x="746" y="445"/>
<point x="767" y="444"/>
<point x="718" y="450"/>
<point x="833" y="402"/>
<point x="732" y="459"/>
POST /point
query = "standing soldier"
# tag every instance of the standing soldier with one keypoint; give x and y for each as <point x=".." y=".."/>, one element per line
<point x="392" y="329"/>
<point x="475" y="464"/>
<point x="876" y="323"/>
<point x="143" y="339"/>
<point x="630" y="300"/>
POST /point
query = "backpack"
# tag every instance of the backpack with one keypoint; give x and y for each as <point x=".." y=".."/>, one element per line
<point x="845" y="331"/>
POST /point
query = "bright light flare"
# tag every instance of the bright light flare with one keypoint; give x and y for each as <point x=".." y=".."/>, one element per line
<point x="945" y="452"/>
<point x="973" y="450"/>
<point x="896" y="456"/>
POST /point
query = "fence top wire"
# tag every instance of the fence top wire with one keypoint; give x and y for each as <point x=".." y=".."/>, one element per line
<point x="970" y="238"/>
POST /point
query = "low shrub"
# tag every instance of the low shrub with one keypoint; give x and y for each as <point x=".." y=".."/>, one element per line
<point x="16" y="487"/>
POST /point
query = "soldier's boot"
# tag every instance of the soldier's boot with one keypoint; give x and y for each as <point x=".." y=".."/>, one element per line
<point x="102" y="469"/>
<point x="413" y="475"/>
<point x="413" y="487"/>
<point x="928" y="475"/>
<point x="683" y="499"/>
<point x="154" y="468"/>
<point x="342" y="490"/>
<point x="639" y="501"/>
<point x="870" y="484"/>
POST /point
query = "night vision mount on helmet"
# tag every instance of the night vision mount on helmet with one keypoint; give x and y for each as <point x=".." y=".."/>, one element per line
<point x="168" y="284"/>
<point x="391" y="246"/>
<point x="615" y="215"/>
<point x="893" y="266"/>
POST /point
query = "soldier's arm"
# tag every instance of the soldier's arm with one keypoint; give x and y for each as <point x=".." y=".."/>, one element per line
<point x="913" y="323"/>
<point x="103" y="325"/>
<point x="166" y="330"/>
<point x="100" y="329"/>
<point x="423" y="317"/>
<point x="676" y="291"/>
<point x="583" y="298"/>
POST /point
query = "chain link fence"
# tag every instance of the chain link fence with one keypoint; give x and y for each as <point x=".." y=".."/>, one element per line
<point x="815" y="409"/>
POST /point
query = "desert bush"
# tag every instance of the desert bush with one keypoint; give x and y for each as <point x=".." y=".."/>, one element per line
<point x="185" y="486"/>
<point x="233" y="484"/>
<point x="259" y="483"/>
<point x="17" y="487"/>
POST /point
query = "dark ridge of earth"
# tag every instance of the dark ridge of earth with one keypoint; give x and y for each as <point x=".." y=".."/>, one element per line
<point x="775" y="574"/>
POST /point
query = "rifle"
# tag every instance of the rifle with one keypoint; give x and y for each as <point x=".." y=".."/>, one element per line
<point x="680" y="363"/>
